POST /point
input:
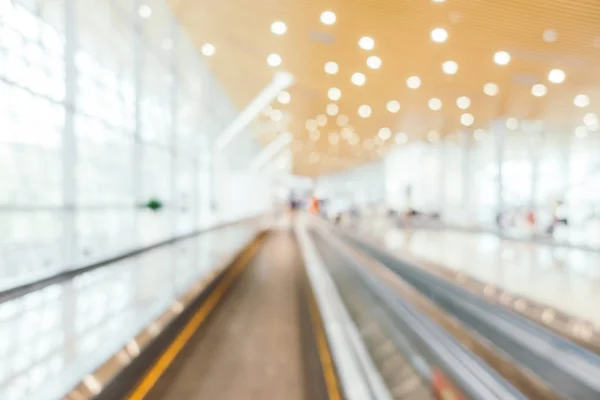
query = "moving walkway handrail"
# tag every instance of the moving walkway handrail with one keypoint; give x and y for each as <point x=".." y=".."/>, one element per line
<point x="357" y="375"/>
<point x="573" y="360"/>
<point x="472" y="376"/>
<point x="70" y="272"/>
<point x="582" y="331"/>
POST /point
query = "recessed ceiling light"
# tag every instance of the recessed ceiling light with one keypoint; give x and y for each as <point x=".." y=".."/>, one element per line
<point x="284" y="97"/>
<point x="581" y="132"/>
<point x="310" y="124"/>
<point x="467" y="119"/>
<point x="450" y="67"/>
<point x="385" y="133"/>
<point x="208" y="49"/>
<point x="463" y="102"/>
<point x="374" y="62"/>
<point x="491" y="89"/>
<point x="364" y="111"/>
<point x="346" y="132"/>
<point x="556" y="76"/>
<point x="276" y="115"/>
<point x="501" y="58"/>
<point x="439" y="35"/>
<point x="334" y="94"/>
<point x="274" y="60"/>
<point x="590" y="120"/>
<point x="342" y="120"/>
<point x="401" y="138"/>
<point x="331" y="68"/>
<point x="267" y="110"/>
<point x="433" y="136"/>
<point x="332" y="109"/>
<point x="393" y="106"/>
<point x="413" y="82"/>
<point x="328" y="17"/>
<point x="145" y="11"/>
<point x="314" y="135"/>
<point x="354" y="140"/>
<point x="358" y="78"/>
<point x="279" y="27"/>
<point x="581" y="100"/>
<point x="479" y="134"/>
<point x="435" y="104"/>
<point x="539" y="90"/>
<point x="366" y="43"/>
<point x="321" y="120"/>
<point x="334" y="138"/>
<point x="512" y="124"/>
<point x="550" y="36"/>
<point x="438" y="1"/>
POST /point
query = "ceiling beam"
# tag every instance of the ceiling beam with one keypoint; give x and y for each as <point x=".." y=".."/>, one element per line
<point x="281" y="81"/>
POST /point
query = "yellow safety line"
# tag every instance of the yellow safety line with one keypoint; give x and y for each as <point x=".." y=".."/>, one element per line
<point x="329" y="374"/>
<point x="151" y="377"/>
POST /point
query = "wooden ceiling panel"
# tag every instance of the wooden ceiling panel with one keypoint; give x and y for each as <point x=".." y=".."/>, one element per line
<point x="240" y="31"/>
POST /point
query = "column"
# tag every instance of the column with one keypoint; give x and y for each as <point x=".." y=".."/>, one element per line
<point x="138" y="57"/>
<point x="174" y="199"/>
<point x="536" y="139"/>
<point x="499" y="131"/>
<point x="442" y="176"/>
<point x="195" y="200"/>
<point x="69" y="144"/>
<point x="465" y="143"/>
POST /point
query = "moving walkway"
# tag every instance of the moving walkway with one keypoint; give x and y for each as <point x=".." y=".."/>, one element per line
<point x="316" y="315"/>
<point x="280" y="322"/>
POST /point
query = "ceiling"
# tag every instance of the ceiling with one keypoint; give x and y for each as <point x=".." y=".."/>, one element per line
<point x="539" y="35"/>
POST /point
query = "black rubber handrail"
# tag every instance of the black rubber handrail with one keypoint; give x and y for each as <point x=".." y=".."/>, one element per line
<point x="571" y="369"/>
<point x="24" y="289"/>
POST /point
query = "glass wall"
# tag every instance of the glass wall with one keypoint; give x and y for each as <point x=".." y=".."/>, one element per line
<point x="361" y="186"/>
<point x="413" y="177"/>
<point x="551" y="172"/>
<point x="104" y="105"/>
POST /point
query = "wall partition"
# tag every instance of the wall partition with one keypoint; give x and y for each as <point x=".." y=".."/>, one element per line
<point x="104" y="105"/>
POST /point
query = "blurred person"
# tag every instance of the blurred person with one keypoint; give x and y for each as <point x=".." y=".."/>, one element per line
<point x="500" y="220"/>
<point x="338" y="218"/>
<point x="314" y="205"/>
<point x="293" y="205"/>
<point x="531" y="221"/>
<point x="531" y="218"/>
<point x="324" y="208"/>
<point x="558" y="216"/>
<point x="354" y="215"/>
<point x="293" y="202"/>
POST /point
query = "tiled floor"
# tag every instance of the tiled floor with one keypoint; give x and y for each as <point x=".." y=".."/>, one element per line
<point x="51" y="338"/>
<point x="567" y="279"/>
